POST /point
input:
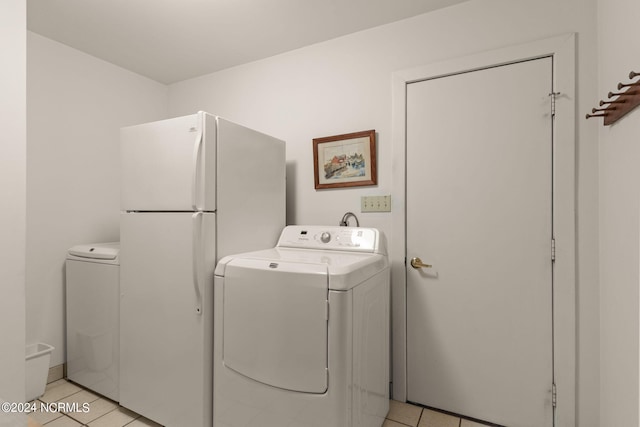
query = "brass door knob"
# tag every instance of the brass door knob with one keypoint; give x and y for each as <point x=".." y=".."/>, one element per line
<point x="417" y="263"/>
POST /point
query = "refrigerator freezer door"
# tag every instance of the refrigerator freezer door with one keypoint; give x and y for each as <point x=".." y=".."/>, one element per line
<point x="166" y="164"/>
<point x="166" y="316"/>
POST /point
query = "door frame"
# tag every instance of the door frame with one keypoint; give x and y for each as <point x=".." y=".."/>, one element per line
<point x="562" y="51"/>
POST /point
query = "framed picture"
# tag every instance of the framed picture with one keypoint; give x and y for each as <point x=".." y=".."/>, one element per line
<point x="347" y="160"/>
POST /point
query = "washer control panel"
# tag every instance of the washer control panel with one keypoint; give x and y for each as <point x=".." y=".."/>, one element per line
<point x="325" y="237"/>
<point x="357" y="239"/>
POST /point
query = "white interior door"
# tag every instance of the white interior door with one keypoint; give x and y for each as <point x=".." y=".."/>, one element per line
<point x="479" y="209"/>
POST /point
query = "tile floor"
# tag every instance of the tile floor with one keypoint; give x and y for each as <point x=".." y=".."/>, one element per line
<point x="404" y="414"/>
<point x="103" y="412"/>
<point x="100" y="412"/>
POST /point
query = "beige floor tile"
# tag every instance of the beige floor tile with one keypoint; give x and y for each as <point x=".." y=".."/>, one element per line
<point x="63" y="421"/>
<point x="83" y="396"/>
<point x="59" y="390"/>
<point x="32" y="423"/>
<point x="44" y="417"/>
<point x="117" y="418"/>
<point x="404" y="413"/>
<point x="143" y="422"/>
<point x="97" y="409"/>
<point x="389" y="423"/>
<point x="437" y="419"/>
<point x="467" y="423"/>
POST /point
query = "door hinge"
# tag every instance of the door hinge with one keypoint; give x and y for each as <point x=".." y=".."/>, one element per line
<point x="553" y="250"/>
<point x="326" y="311"/>
<point x="553" y="96"/>
<point x="554" y="395"/>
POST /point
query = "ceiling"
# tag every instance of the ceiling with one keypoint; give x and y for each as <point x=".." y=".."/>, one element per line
<point x="174" y="40"/>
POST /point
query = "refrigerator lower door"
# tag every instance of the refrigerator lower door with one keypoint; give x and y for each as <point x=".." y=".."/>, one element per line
<point x="167" y="263"/>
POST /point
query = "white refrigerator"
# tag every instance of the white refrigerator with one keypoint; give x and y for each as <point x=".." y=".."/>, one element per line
<point x="193" y="189"/>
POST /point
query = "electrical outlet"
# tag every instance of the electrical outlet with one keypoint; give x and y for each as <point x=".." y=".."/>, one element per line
<point x="375" y="204"/>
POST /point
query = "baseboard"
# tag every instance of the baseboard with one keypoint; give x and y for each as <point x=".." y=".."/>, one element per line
<point x="57" y="373"/>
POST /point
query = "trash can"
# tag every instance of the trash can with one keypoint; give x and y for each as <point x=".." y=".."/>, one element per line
<point x="38" y="357"/>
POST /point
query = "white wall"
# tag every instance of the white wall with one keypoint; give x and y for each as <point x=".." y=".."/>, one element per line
<point x="76" y="106"/>
<point x="13" y="126"/>
<point x="619" y="217"/>
<point x="344" y="85"/>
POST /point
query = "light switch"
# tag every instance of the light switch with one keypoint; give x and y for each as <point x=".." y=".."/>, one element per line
<point x="375" y="204"/>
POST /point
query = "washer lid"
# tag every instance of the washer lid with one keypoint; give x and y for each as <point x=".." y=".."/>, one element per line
<point x="275" y="323"/>
<point x="106" y="251"/>
<point x="346" y="270"/>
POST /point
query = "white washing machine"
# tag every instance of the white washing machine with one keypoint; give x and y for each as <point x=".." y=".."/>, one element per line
<point x="302" y="331"/>
<point x="93" y="317"/>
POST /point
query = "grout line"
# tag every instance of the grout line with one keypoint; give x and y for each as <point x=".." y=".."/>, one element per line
<point x="398" y="422"/>
<point x="100" y="417"/>
<point x="420" y="417"/>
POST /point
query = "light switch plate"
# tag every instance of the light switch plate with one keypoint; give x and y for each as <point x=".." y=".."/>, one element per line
<point x="375" y="204"/>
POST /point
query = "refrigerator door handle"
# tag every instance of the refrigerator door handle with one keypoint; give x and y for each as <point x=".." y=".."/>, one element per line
<point x="197" y="253"/>
<point x="196" y="180"/>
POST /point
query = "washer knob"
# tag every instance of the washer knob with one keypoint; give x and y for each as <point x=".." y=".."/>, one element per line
<point x="325" y="237"/>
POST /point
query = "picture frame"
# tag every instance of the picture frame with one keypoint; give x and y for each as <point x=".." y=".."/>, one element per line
<point x="347" y="160"/>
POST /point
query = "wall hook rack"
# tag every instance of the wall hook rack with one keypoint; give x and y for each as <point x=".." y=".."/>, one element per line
<point x="619" y="104"/>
